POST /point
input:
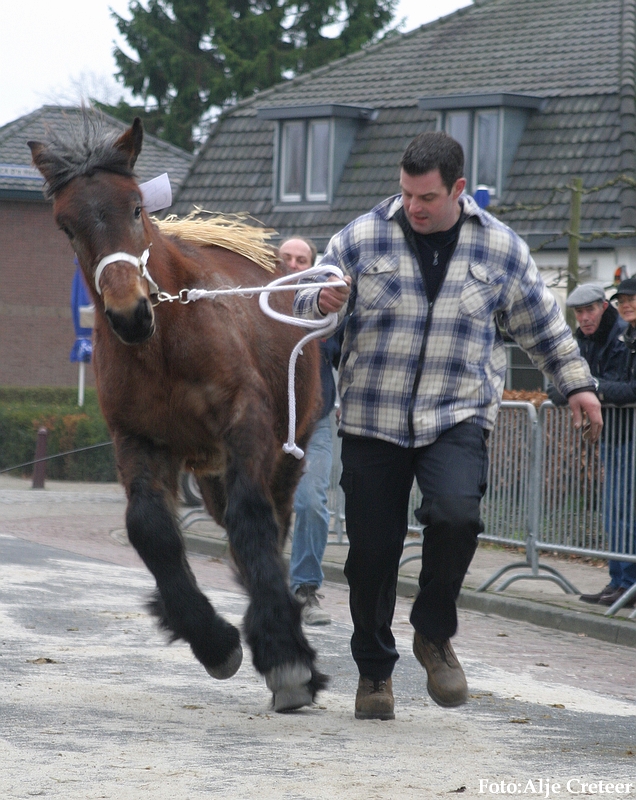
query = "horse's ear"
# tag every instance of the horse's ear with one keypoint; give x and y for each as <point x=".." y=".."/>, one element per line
<point x="130" y="141"/>
<point x="37" y="150"/>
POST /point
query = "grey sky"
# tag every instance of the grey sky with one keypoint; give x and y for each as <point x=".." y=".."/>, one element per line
<point x="54" y="52"/>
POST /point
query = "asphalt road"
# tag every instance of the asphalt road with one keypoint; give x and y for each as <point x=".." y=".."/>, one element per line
<point x="94" y="704"/>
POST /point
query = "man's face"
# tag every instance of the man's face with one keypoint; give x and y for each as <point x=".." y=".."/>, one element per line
<point x="589" y="317"/>
<point x="428" y="205"/>
<point x="296" y="254"/>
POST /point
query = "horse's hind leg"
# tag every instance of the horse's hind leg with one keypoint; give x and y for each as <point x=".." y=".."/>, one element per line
<point x="280" y="651"/>
<point x="150" y="476"/>
<point x="214" y="496"/>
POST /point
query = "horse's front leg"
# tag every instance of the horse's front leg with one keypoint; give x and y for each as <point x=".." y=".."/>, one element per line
<point x="272" y="625"/>
<point x="150" y="474"/>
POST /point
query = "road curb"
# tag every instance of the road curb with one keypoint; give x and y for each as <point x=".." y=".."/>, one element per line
<point x="614" y="631"/>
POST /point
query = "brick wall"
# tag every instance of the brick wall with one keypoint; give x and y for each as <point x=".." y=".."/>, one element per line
<point x="36" y="271"/>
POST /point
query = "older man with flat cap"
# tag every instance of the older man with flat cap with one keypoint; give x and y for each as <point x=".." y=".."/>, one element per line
<point x="599" y="334"/>
<point x="607" y="340"/>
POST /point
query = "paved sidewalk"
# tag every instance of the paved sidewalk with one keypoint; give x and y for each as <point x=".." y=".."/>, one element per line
<point x="541" y="602"/>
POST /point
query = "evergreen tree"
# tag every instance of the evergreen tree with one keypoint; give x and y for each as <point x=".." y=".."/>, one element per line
<point x="193" y="55"/>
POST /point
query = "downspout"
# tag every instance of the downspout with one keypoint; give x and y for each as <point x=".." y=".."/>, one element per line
<point x="628" y="112"/>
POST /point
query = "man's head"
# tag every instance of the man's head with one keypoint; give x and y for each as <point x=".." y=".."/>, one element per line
<point x="431" y="179"/>
<point x="589" y="304"/>
<point x="297" y="253"/>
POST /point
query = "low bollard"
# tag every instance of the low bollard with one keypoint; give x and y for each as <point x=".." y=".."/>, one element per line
<point x="39" y="468"/>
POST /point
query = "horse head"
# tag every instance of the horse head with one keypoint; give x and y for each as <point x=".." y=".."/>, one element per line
<point x="98" y="205"/>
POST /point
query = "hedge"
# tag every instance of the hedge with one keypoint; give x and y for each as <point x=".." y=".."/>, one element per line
<point x="24" y="410"/>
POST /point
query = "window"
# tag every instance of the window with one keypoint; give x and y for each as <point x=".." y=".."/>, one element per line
<point x="522" y="373"/>
<point x="311" y="147"/>
<point x="489" y="128"/>
<point x="304" y="160"/>
<point x="318" y="141"/>
<point x="486" y="149"/>
<point x="478" y="133"/>
<point x="292" y="161"/>
<point x="458" y="125"/>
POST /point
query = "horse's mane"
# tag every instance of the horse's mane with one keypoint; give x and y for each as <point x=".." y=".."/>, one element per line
<point x="228" y="231"/>
<point x="81" y="150"/>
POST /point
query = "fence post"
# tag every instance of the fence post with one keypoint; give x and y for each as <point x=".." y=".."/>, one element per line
<point x="39" y="468"/>
<point x="535" y="491"/>
<point x="574" y="236"/>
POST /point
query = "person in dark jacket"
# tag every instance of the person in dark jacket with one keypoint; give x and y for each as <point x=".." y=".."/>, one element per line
<point x="602" y="335"/>
<point x="607" y="340"/>
<point x="599" y="335"/>
<point x="620" y="516"/>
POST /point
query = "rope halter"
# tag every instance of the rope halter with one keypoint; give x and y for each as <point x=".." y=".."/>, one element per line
<point x="140" y="263"/>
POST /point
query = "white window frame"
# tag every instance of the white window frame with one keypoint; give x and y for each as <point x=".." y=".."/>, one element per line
<point x="494" y="189"/>
<point x="471" y="156"/>
<point x="289" y="197"/>
<point x="318" y="196"/>
<point x="306" y="195"/>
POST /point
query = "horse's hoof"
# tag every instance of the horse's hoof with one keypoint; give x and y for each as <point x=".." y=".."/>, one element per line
<point x="292" y="698"/>
<point x="289" y="685"/>
<point x="229" y="667"/>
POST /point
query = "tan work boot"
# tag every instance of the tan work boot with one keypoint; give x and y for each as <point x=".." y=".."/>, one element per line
<point x="446" y="680"/>
<point x="374" y="699"/>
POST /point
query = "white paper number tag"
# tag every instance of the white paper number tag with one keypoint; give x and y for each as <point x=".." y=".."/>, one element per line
<point x="156" y="193"/>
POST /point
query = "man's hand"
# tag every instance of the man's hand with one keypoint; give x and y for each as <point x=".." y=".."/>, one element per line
<point x="331" y="299"/>
<point x="586" y="403"/>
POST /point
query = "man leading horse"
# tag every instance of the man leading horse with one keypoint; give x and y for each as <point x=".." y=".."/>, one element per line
<point x="432" y="281"/>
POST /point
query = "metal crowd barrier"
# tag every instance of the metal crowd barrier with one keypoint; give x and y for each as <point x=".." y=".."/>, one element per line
<point x="548" y="491"/>
<point x="586" y="497"/>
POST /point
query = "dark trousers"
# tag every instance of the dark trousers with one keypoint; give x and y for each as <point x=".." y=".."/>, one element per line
<point x="377" y="478"/>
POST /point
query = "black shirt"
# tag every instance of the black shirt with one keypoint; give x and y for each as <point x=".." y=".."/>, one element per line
<point x="432" y="250"/>
<point x="435" y="251"/>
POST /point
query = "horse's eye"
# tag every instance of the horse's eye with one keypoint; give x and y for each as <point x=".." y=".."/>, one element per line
<point x="137" y="212"/>
<point x="67" y="231"/>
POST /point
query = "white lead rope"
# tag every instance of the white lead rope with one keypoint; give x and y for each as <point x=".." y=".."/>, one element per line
<point x="319" y="327"/>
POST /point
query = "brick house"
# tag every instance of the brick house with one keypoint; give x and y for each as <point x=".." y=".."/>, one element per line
<point x="36" y="259"/>
<point x="537" y="91"/>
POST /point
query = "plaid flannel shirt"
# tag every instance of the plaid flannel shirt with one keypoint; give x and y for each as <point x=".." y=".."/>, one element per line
<point x="411" y="369"/>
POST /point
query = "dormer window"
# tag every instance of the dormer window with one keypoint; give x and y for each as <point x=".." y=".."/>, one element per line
<point x="305" y="147"/>
<point x="489" y="128"/>
<point x="312" y="144"/>
<point x="478" y="132"/>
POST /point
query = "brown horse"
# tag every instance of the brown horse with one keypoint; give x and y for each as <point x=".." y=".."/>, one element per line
<point x="202" y="384"/>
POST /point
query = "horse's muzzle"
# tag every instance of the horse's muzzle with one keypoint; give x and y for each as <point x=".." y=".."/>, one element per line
<point x="134" y="327"/>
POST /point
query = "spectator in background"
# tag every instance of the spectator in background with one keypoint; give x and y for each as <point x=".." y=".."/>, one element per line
<point x="598" y="333"/>
<point x="620" y="522"/>
<point x="602" y="336"/>
<point x="311" y="527"/>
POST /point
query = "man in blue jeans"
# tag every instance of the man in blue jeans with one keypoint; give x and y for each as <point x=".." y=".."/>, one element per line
<point x="311" y="528"/>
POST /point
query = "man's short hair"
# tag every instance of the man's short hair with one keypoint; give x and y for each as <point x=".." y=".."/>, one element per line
<point x="308" y="242"/>
<point x="434" y="150"/>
